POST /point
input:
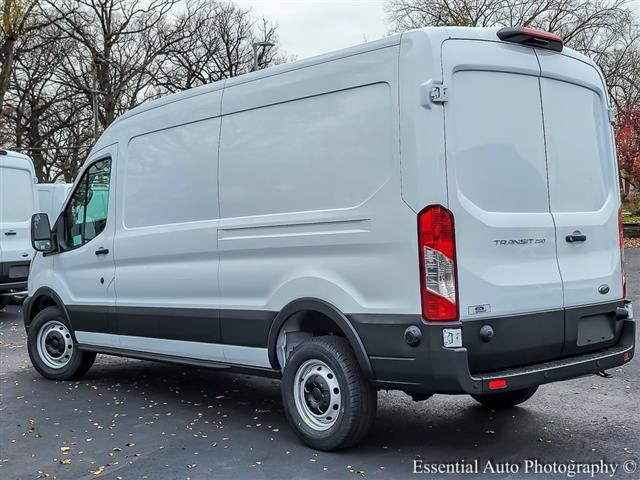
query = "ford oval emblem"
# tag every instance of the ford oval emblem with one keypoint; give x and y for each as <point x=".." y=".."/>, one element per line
<point x="603" y="289"/>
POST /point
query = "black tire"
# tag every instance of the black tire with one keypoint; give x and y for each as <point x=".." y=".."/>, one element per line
<point x="358" y="399"/>
<point x="78" y="362"/>
<point x="4" y="301"/>
<point x="499" y="401"/>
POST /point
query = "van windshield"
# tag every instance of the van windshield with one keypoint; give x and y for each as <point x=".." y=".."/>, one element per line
<point x="16" y="195"/>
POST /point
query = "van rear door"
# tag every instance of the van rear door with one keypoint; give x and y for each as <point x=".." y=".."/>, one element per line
<point x="497" y="180"/>
<point x="17" y="204"/>
<point x="498" y="193"/>
<point x="583" y="182"/>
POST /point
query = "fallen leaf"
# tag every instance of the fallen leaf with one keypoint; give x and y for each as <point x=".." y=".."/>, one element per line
<point x="99" y="470"/>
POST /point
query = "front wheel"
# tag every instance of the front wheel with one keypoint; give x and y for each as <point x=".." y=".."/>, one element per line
<point x="327" y="399"/>
<point x="505" y="399"/>
<point x="52" y="350"/>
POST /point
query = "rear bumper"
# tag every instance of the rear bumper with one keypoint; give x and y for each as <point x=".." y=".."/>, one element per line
<point x="13" y="277"/>
<point x="432" y="368"/>
<point x="13" y="288"/>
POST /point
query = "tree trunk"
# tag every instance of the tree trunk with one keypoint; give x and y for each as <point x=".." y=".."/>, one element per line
<point x="35" y="141"/>
<point x="6" y="54"/>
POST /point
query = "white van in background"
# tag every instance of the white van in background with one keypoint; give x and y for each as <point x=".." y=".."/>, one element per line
<point x="18" y="203"/>
<point x="51" y="197"/>
<point x="436" y="212"/>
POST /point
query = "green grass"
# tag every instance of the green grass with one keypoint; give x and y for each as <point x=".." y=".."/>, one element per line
<point x="631" y="218"/>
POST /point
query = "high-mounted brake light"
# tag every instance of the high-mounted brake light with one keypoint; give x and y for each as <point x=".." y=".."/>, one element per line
<point x="437" y="257"/>
<point x="3" y="151"/>
<point x="531" y="37"/>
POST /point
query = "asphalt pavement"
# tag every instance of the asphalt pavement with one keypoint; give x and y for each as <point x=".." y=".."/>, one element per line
<point x="131" y="419"/>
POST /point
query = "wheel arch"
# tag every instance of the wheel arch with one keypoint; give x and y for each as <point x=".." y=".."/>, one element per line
<point x="43" y="298"/>
<point x="327" y="310"/>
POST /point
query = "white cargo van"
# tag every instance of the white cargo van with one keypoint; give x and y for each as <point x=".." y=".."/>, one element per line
<point x="435" y="212"/>
<point x="17" y="204"/>
<point x="51" y="197"/>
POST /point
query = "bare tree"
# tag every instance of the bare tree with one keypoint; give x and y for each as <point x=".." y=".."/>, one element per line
<point x="90" y="60"/>
<point x="19" y="19"/>
<point x="570" y="18"/>
<point x="110" y="60"/>
<point x="39" y="108"/>
<point x="217" y="43"/>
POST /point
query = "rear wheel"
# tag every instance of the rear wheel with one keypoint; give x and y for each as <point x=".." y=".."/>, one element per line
<point x="52" y="350"/>
<point x="327" y="400"/>
<point x="505" y="399"/>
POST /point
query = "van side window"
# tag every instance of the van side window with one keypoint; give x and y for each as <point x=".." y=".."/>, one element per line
<point x="86" y="213"/>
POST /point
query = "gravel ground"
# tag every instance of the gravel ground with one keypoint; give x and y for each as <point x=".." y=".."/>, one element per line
<point x="129" y="419"/>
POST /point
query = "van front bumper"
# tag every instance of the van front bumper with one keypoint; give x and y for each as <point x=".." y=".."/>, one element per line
<point x="431" y="368"/>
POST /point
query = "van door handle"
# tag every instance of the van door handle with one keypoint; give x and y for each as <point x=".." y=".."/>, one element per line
<point x="576" y="237"/>
<point x="102" y="251"/>
<point x="10" y="232"/>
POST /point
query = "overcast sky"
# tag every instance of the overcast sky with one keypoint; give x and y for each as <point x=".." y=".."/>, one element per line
<point x="311" y="27"/>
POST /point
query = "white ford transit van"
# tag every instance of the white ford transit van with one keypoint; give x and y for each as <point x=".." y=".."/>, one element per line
<point x="435" y="212"/>
<point x="51" y="197"/>
<point x="17" y="205"/>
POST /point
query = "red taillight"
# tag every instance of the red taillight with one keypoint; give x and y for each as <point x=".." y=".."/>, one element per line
<point x="437" y="257"/>
<point x="621" y="243"/>
<point x="497" y="384"/>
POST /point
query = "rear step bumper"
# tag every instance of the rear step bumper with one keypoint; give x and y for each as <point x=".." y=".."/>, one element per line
<point x="13" y="288"/>
<point x="571" y="367"/>
<point x="435" y="369"/>
<point x="13" y="276"/>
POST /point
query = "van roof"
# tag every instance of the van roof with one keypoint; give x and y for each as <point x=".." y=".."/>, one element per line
<point x="436" y="33"/>
<point x="490" y="34"/>
<point x="267" y="72"/>
<point x="14" y="154"/>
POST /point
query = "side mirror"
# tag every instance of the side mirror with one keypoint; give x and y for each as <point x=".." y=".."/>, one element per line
<point x="41" y="238"/>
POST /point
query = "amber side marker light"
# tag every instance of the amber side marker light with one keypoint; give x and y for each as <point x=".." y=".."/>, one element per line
<point x="497" y="384"/>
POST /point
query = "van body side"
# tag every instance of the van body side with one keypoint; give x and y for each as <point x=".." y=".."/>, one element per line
<point x="417" y="208"/>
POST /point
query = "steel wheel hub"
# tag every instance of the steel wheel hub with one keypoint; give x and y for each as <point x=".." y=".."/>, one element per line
<point x="55" y="345"/>
<point x="317" y="395"/>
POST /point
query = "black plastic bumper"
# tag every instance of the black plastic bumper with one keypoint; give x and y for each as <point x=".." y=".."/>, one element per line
<point x="13" y="287"/>
<point x="431" y="368"/>
<point x="13" y="276"/>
